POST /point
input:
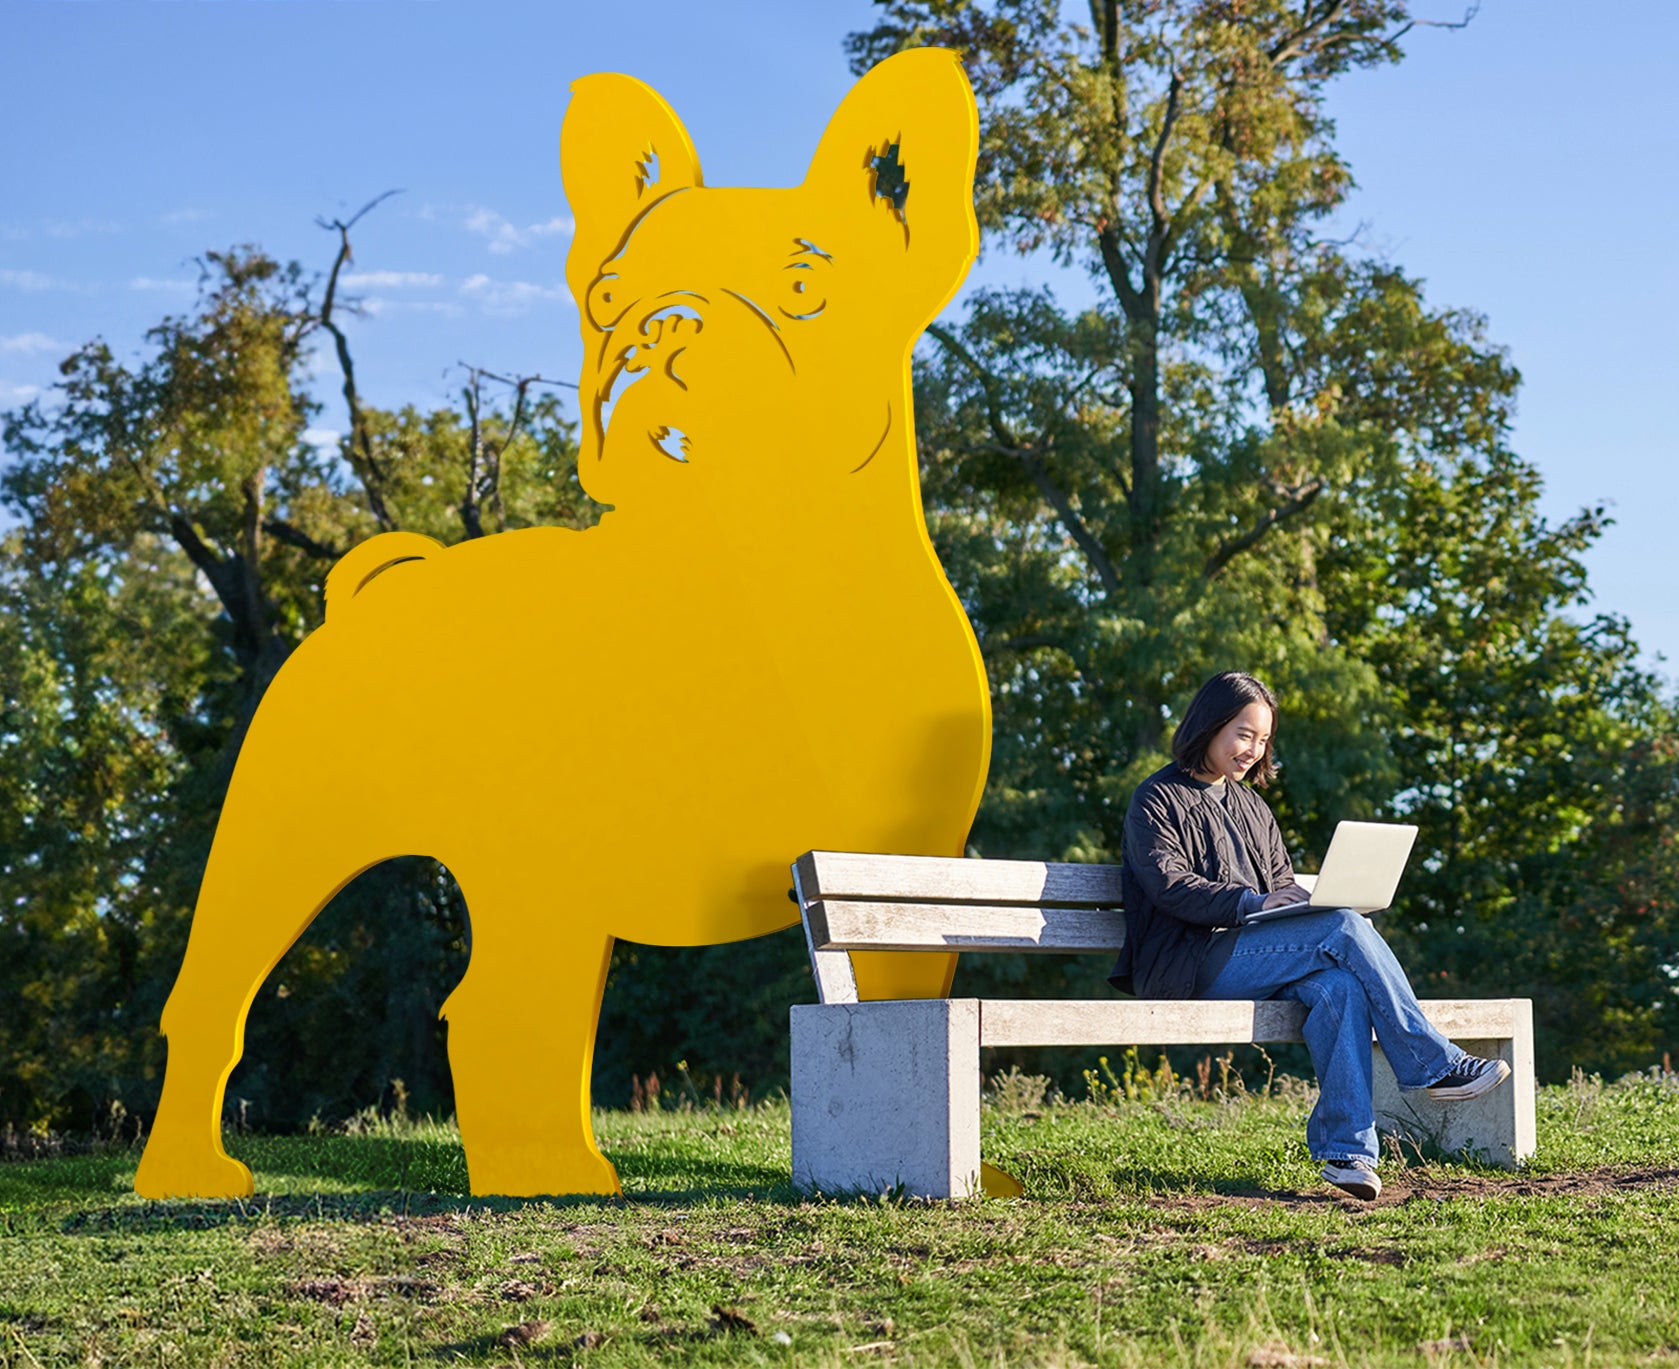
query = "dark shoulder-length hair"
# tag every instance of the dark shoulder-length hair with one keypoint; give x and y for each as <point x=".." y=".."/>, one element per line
<point x="1210" y="712"/>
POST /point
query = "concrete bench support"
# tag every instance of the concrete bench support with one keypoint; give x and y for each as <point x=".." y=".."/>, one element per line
<point x="887" y="1094"/>
<point x="1499" y="1127"/>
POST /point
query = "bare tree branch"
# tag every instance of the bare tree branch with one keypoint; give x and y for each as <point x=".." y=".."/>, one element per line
<point x="1162" y="227"/>
<point x="1292" y="45"/>
<point x="474" y="460"/>
<point x="1030" y="461"/>
<point x="1300" y="499"/>
<point x="483" y="476"/>
<point x="1119" y="276"/>
<point x="294" y="536"/>
<point x="1469" y="14"/>
<point x="362" y="460"/>
<point x="213" y="567"/>
<point x="250" y="557"/>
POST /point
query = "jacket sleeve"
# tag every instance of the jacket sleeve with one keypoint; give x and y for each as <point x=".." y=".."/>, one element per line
<point x="1282" y="868"/>
<point x="1158" y="856"/>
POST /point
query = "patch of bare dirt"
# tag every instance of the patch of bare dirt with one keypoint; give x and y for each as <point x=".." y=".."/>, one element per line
<point x="529" y="1332"/>
<point x="1281" y="1357"/>
<point x="337" y="1292"/>
<point x="1429" y="1184"/>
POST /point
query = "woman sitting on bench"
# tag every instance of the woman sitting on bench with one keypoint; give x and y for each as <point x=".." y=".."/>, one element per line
<point x="1202" y="854"/>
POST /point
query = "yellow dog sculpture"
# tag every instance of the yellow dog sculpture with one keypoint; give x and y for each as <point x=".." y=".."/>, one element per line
<point x="629" y="731"/>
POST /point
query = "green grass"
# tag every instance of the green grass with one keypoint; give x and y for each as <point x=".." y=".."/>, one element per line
<point x="1172" y="1231"/>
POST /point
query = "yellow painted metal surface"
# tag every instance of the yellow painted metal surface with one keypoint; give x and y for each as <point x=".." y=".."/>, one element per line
<point x="630" y="731"/>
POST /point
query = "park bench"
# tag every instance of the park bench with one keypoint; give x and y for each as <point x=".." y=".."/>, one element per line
<point x="886" y="1094"/>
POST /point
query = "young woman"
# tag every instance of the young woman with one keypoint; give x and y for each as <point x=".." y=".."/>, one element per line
<point x="1202" y="854"/>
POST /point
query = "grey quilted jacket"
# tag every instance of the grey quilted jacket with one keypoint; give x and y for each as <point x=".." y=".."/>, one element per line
<point x="1179" y="878"/>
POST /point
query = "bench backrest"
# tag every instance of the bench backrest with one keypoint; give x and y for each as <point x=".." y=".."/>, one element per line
<point x="855" y="902"/>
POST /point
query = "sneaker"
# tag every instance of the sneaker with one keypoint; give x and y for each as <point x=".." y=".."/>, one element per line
<point x="1357" y="1177"/>
<point x="1471" y="1077"/>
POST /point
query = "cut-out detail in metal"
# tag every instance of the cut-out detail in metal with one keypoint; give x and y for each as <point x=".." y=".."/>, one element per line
<point x="648" y="751"/>
<point x="770" y="323"/>
<point x="647" y="170"/>
<point x="803" y="287"/>
<point x="884" y="434"/>
<point x="673" y="442"/>
<point x="889" y="180"/>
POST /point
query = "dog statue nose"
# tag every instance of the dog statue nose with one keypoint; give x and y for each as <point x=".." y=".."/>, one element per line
<point x="672" y="327"/>
<point x="673" y="320"/>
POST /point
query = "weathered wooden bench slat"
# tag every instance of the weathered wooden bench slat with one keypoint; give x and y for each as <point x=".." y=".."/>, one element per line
<point x="1078" y="1022"/>
<point x="1040" y="1022"/>
<point x="851" y="925"/>
<point x="829" y="875"/>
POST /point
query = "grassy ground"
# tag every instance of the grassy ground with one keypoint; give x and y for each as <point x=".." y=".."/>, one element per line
<point x="1162" y="1230"/>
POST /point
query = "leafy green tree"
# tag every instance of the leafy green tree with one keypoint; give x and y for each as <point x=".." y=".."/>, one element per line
<point x="1255" y="448"/>
<point x="174" y="531"/>
<point x="1541" y="761"/>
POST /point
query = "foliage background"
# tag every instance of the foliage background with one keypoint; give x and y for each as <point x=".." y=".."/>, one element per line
<point x="1259" y="449"/>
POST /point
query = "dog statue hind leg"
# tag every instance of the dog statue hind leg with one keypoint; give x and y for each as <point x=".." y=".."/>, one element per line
<point x="241" y="928"/>
<point x="522" y="1038"/>
<point x="286" y="843"/>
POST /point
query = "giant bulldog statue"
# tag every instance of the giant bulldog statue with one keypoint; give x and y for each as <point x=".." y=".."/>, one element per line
<point x="630" y="731"/>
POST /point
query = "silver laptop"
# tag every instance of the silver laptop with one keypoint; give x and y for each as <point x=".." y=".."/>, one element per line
<point x="1361" y="870"/>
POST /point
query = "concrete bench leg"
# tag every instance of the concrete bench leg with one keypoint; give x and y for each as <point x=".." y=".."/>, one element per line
<point x="1499" y="1126"/>
<point x="886" y="1095"/>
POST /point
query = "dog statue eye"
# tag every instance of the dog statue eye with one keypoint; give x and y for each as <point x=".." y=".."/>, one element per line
<point x="803" y="293"/>
<point x="609" y="299"/>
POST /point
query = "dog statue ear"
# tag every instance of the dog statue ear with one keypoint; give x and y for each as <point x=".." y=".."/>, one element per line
<point x="622" y="149"/>
<point x="896" y="163"/>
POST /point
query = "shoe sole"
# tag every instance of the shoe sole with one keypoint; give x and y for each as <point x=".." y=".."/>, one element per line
<point x="1367" y="1187"/>
<point x="1475" y="1089"/>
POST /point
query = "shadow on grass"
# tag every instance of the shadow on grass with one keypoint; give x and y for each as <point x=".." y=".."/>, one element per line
<point x="389" y="1178"/>
<point x="476" y="1348"/>
<point x="415" y="1166"/>
<point x="644" y="1178"/>
<point x="1158" y="1183"/>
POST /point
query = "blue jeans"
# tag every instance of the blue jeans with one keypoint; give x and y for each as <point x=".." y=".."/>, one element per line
<point x="1336" y="963"/>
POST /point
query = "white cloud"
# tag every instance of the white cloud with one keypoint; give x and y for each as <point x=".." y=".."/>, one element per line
<point x="322" y="437"/>
<point x="152" y="283"/>
<point x="28" y="343"/>
<point x="66" y="228"/>
<point x="375" y="305"/>
<point x="505" y="236"/>
<point x="17" y="394"/>
<point x="26" y="280"/>
<point x="510" y="296"/>
<point x="179" y="217"/>
<point x="389" y="280"/>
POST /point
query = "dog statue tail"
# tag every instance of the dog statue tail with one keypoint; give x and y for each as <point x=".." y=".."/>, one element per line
<point x="379" y="553"/>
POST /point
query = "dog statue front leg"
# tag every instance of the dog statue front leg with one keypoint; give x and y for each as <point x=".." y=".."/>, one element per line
<point x="521" y="1046"/>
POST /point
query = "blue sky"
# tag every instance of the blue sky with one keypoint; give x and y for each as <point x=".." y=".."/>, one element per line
<point x="1524" y="167"/>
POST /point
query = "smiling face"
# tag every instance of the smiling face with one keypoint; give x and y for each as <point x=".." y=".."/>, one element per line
<point x="1239" y="745"/>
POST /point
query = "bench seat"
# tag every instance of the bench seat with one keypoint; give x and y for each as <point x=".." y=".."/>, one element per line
<point x="886" y="1094"/>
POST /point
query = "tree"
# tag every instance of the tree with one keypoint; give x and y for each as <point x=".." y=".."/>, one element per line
<point x="1254" y="448"/>
<point x="174" y="532"/>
